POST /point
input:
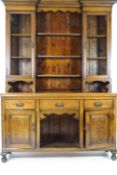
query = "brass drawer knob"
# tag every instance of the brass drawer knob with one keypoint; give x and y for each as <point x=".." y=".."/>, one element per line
<point x="20" y="105"/>
<point x="98" y="104"/>
<point x="59" y="105"/>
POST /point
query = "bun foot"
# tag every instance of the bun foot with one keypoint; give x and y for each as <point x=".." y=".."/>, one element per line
<point x="4" y="158"/>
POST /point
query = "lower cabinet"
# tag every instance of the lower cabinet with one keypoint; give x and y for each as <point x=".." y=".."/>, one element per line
<point x="99" y="129"/>
<point x="38" y="125"/>
<point x="20" y="129"/>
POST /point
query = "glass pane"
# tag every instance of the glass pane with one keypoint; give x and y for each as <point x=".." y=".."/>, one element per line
<point x="21" y="44"/>
<point x="97" y="25"/>
<point x="96" y="67"/>
<point x="20" y="24"/>
<point x="21" y="47"/>
<point x="96" y="45"/>
<point x="21" y="67"/>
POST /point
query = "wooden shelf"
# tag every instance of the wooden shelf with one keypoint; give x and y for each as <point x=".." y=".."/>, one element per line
<point x="98" y="58"/>
<point x="57" y="56"/>
<point x="20" y="57"/>
<point x="97" y="36"/>
<point x="59" y="145"/>
<point x="19" y="78"/>
<point x="96" y="78"/>
<point x="60" y="34"/>
<point x="20" y="35"/>
<point x="60" y="91"/>
<point x="59" y="76"/>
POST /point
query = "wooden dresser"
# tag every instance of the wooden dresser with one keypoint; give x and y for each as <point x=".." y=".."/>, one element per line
<point x="58" y="84"/>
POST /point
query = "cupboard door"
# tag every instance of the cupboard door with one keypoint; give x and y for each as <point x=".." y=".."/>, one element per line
<point x="21" y="51"/>
<point x="96" y="45"/>
<point x="100" y="129"/>
<point x="96" y="52"/>
<point x="20" y="129"/>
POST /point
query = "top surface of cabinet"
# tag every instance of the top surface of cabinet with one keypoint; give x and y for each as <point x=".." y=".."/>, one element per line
<point x="64" y="1"/>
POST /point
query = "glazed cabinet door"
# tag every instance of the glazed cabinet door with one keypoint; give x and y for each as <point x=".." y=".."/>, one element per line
<point x="99" y="129"/>
<point x="96" y="51"/>
<point x="20" y="51"/>
<point x="19" y="129"/>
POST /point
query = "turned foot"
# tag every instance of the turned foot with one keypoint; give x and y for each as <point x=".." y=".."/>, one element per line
<point x="113" y="157"/>
<point x="4" y="157"/>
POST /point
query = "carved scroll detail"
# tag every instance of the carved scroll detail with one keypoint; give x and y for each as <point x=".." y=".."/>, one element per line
<point x="47" y="114"/>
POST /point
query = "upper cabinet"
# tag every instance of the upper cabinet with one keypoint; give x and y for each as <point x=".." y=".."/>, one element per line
<point x="20" y="51"/>
<point x="97" y="50"/>
<point x="58" y="46"/>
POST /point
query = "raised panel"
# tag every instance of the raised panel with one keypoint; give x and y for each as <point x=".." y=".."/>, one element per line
<point x="99" y="129"/>
<point x="20" y="129"/>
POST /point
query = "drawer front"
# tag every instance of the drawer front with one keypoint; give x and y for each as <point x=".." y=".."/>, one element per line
<point x="59" y="104"/>
<point x="95" y="104"/>
<point x="20" y="104"/>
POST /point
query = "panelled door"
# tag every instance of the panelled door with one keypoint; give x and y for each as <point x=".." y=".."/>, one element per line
<point x="20" y="129"/>
<point x="100" y="129"/>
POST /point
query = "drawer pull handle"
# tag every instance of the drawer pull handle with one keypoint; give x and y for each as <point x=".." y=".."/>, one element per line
<point x="59" y="105"/>
<point x="20" y="105"/>
<point x="98" y="104"/>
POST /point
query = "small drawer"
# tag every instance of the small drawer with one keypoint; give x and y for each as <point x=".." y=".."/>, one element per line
<point x="95" y="104"/>
<point x="20" y="104"/>
<point x="59" y="104"/>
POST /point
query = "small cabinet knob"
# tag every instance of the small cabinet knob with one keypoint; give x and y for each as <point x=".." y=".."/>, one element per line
<point x="59" y="105"/>
<point x="20" y="105"/>
<point x="98" y="104"/>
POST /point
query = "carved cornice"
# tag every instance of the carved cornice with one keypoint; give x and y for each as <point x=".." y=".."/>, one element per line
<point x="55" y="5"/>
<point x="96" y="3"/>
<point x="45" y="114"/>
<point x="23" y="5"/>
<point x="62" y="1"/>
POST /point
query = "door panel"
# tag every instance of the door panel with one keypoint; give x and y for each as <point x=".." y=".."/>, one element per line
<point x="100" y="129"/>
<point x="20" y="129"/>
